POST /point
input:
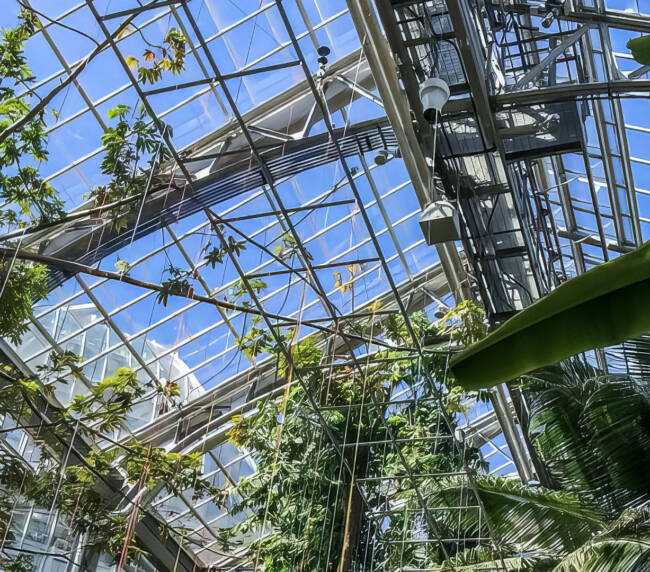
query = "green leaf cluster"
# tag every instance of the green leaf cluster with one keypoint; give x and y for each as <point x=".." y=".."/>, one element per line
<point x="24" y="283"/>
<point x="156" y="59"/>
<point x="28" y="197"/>
<point x="109" y="401"/>
<point x="300" y="490"/>
<point x="177" y="284"/>
<point x="133" y="148"/>
<point x="84" y="489"/>
<point x="215" y="255"/>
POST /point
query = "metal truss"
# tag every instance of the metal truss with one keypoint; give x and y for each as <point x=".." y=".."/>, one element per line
<point x="269" y="181"/>
<point x="524" y="229"/>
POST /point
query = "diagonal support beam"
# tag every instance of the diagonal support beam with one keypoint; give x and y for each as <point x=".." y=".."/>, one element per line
<point x="638" y="72"/>
<point x="140" y="9"/>
<point x="383" y="66"/>
<point x="533" y="73"/>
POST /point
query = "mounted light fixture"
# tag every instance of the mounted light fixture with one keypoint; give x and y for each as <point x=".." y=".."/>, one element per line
<point x="434" y="93"/>
<point x="554" y="7"/>
<point x="384" y="155"/>
<point x="439" y="222"/>
<point x="323" y="52"/>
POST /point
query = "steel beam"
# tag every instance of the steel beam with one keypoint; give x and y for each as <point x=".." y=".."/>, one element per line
<point x="552" y="56"/>
<point x="379" y="58"/>
<point x="383" y="68"/>
<point x="137" y="11"/>
<point x="638" y="72"/>
<point x="474" y="67"/>
<point x="225" y="77"/>
<point x="624" y="20"/>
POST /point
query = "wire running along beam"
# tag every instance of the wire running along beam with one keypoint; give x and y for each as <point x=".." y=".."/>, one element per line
<point x="140" y="9"/>
<point x="211" y="80"/>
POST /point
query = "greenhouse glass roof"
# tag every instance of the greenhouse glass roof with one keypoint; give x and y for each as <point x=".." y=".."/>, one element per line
<point x="268" y="143"/>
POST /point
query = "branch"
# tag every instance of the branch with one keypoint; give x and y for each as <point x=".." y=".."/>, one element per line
<point x="25" y="427"/>
<point x="69" y="218"/>
<point x="76" y="267"/>
<point x="35" y="111"/>
<point x="57" y="22"/>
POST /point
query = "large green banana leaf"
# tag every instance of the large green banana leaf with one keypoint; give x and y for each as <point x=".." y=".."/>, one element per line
<point x="640" y="48"/>
<point x="602" y="307"/>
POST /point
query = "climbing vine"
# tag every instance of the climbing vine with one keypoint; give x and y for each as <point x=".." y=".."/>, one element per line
<point x="300" y="489"/>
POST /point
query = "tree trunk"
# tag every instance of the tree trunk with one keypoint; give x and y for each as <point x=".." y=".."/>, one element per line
<point x="355" y="504"/>
<point x="352" y="529"/>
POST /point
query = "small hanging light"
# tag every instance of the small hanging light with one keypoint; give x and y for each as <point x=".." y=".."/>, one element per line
<point x="434" y="93"/>
<point x="439" y="219"/>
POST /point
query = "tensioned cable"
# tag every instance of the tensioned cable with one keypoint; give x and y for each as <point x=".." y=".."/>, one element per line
<point x="11" y="266"/>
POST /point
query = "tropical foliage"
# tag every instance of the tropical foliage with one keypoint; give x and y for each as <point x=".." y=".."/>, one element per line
<point x="590" y="430"/>
<point x="133" y="151"/>
<point x="599" y="308"/>
<point x="27" y="196"/>
<point x="640" y="48"/>
<point x="88" y="487"/>
<point x="21" y="284"/>
<point x="349" y="476"/>
<point x="157" y="59"/>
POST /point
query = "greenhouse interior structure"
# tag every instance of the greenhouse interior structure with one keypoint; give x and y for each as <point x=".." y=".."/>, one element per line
<point x="324" y="285"/>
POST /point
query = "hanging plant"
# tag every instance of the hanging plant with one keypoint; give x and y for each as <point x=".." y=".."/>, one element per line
<point x="215" y="255"/>
<point x="239" y="290"/>
<point x="108" y="402"/>
<point x="288" y="248"/>
<point x="74" y="489"/>
<point x="256" y="341"/>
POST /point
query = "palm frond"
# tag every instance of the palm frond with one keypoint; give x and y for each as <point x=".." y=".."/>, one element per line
<point x="520" y="516"/>
<point x="632" y="357"/>
<point x="592" y="432"/>
<point x="623" y="547"/>
<point x="483" y="558"/>
<point x="609" y="555"/>
<point x="617" y="417"/>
